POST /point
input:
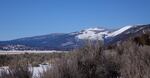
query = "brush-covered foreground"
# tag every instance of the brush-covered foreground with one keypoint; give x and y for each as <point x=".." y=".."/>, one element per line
<point x="31" y="58"/>
<point x="125" y="60"/>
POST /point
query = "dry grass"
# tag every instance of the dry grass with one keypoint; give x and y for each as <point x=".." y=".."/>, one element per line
<point x="126" y="60"/>
<point x="17" y="71"/>
<point x="33" y="58"/>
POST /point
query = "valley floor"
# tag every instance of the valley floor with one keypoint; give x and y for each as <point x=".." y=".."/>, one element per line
<point x="29" y="51"/>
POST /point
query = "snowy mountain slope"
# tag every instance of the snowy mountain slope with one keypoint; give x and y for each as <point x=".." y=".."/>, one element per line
<point x="118" y="31"/>
<point x="134" y="31"/>
<point x="92" y="33"/>
<point x="68" y="41"/>
<point x="100" y="34"/>
<point x="105" y="35"/>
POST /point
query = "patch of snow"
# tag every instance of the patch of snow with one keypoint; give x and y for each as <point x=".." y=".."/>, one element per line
<point x="39" y="70"/>
<point x="73" y="33"/>
<point x="95" y="29"/>
<point x="119" y="31"/>
<point x="92" y="33"/>
<point x="67" y="43"/>
<point x="36" y="70"/>
<point x="39" y="38"/>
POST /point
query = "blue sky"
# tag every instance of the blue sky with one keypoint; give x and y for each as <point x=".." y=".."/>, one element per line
<point x="23" y="18"/>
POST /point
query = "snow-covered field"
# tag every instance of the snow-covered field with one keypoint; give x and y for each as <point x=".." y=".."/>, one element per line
<point x="34" y="51"/>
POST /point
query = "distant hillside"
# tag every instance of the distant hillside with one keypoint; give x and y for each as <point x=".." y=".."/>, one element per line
<point x="68" y="41"/>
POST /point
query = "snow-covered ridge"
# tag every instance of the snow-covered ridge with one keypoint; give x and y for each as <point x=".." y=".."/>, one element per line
<point x="92" y="33"/>
<point x="94" y="29"/>
<point x="117" y="32"/>
<point x="100" y="34"/>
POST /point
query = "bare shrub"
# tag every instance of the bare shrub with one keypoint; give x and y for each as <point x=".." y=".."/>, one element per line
<point x="134" y="60"/>
<point x="33" y="58"/>
<point x="17" y="71"/>
<point x="87" y="62"/>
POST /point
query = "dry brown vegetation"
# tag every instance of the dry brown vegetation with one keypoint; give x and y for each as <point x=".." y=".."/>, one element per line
<point x="125" y="60"/>
<point x="32" y="58"/>
<point x="17" y="71"/>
